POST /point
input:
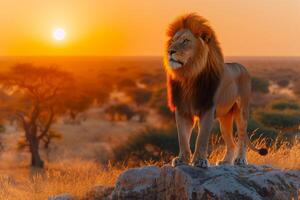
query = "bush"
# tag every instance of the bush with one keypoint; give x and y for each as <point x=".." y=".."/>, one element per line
<point x="260" y="85"/>
<point x="120" y="112"/>
<point x="140" y="96"/>
<point x="279" y="120"/>
<point x="148" y="145"/>
<point x="260" y="130"/>
<point x="152" y="80"/>
<point x="151" y="144"/>
<point x="283" y="105"/>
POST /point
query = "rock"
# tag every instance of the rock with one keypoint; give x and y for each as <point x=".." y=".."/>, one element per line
<point x="98" y="193"/>
<point x="215" y="183"/>
<point x="64" y="196"/>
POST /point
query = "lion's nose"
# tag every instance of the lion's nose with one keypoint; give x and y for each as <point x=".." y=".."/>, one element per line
<point x="172" y="52"/>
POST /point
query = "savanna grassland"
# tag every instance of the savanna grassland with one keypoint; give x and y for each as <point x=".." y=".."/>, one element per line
<point x="112" y="115"/>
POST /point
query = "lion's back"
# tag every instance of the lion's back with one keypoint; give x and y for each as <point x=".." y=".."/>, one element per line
<point x="241" y="76"/>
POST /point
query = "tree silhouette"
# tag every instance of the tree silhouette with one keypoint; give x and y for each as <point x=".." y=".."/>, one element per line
<point x="37" y="97"/>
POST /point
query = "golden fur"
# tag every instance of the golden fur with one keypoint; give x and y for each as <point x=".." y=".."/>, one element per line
<point x="201" y="85"/>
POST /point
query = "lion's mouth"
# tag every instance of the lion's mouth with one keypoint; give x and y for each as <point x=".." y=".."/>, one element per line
<point x="175" y="63"/>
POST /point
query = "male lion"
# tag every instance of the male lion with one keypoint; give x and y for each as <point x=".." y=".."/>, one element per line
<point x="201" y="86"/>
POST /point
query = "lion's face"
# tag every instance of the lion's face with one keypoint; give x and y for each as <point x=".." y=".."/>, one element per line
<point x="191" y="47"/>
<point x="181" y="48"/>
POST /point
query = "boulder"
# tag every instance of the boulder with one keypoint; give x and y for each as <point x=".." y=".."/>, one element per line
<point x="215" y="183"/>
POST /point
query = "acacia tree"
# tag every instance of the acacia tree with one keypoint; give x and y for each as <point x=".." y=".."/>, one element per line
<point x="39" y="97"/>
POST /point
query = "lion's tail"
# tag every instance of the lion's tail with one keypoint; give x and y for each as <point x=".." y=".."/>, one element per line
<point x="261" y="151"/>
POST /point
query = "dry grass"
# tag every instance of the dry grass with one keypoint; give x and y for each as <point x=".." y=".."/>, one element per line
<point x="75" y="177"/>
<point x="285" y="156"/>
<point x="78" y="176"/>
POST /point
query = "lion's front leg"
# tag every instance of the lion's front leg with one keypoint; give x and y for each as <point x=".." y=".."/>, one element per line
<point x="184" y="128"/>
<point x="200" y="154"/>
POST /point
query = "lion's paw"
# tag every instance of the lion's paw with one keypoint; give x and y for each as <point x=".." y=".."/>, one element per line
<point x="177" y="161"/>
<point x="201" y="163"/>
<point x="240" y="161"/>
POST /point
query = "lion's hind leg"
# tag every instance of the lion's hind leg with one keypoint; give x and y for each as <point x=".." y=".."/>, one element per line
<point x="226" y="125"/>
<point x="241" y="119"/>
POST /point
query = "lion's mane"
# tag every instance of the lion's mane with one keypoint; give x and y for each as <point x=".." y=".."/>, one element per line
<point x="191" y="88"/>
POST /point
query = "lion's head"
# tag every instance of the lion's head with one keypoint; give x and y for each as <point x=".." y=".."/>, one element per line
<point x="191" y="47"/>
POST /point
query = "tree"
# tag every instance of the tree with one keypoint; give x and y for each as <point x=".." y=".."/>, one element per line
<point x="39" y="96"/>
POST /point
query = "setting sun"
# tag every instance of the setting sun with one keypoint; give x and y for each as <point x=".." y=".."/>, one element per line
<point x="59" y="34"/>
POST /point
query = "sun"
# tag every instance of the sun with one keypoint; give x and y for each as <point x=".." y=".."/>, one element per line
<point x="59" y="34"/>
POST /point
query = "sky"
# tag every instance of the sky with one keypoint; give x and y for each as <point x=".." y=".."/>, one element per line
<point x="138" y="27"/>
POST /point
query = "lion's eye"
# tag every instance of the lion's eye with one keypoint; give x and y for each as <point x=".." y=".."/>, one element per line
<point x="185" y="41"/>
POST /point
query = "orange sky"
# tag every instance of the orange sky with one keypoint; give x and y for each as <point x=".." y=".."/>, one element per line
<point x="137" y="27"/>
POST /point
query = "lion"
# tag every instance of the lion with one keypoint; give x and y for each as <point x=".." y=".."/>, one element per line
<point x="202" y="88"/>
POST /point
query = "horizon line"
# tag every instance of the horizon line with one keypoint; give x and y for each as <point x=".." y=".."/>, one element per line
<point x="130" y="56"/>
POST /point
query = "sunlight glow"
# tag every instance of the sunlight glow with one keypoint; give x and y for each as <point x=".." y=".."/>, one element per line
<point x="59" y="34"/>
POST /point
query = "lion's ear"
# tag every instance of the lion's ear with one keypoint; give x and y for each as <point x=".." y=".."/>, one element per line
<point x="206" y="36"/>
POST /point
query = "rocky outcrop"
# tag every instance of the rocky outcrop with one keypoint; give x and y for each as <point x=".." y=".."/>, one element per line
<point x="190" y="183"/>
<point x="216" y="182"/>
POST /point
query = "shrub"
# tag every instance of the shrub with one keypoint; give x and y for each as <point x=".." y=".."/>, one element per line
<point x="260" y="131"/>
<point x="147" y="145"/>
<point x="140" y="96"/>
<point x="151" y="144"/>
<point x="119" y="112"/>
<point x="260" y="85"/>
<point x="283" y="105"/>
<point x="152" y="80"/>
<point x="148" y="79"/>
<point x="279" y="120"/>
